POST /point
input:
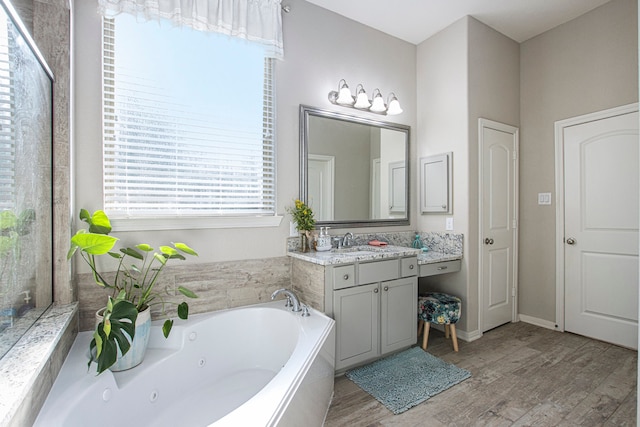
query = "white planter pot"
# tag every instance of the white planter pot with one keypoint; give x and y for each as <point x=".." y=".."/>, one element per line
<point x="138" y="348"/>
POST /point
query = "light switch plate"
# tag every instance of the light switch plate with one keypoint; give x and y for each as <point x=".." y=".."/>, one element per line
<point x="544" y="198"/>
<point x="449" y="224"/>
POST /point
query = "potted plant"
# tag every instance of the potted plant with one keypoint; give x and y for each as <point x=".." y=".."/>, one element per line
<point x="132" y="288"/>
<point x="305" y="222"/>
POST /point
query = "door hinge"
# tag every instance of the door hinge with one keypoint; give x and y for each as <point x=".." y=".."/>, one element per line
<point x="515" y="154"/>
<point x="515" y="223"/>
<point x="513" y="292"/>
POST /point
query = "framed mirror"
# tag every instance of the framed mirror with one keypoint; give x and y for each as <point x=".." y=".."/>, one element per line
<point x="354" y="171"/>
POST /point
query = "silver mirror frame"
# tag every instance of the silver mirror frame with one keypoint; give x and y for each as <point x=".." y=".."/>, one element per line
<point x="307" y="111"/>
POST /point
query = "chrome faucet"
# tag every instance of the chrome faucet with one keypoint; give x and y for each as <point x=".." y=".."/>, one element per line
<point x="347" y="240"/>
<point x="292" y="297"/>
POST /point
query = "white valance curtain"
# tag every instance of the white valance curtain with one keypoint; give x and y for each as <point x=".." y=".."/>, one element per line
<point x="255" y="20"/>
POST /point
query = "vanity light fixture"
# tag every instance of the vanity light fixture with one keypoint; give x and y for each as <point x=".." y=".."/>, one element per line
<point x="344" y="97"/>
<point x="344" y="94"/>
<point x="377" y="106"/>
<point x="362" y="102"/>
<point x="393" y="105"/>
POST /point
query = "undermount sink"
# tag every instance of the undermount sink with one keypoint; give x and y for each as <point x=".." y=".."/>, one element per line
<point x="358" y="249"/>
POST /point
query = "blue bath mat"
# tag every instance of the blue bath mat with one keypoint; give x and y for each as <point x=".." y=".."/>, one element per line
<point x="406" y="379"/>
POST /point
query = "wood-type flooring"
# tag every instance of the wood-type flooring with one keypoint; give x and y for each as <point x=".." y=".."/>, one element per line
<point x="522" y="375"/>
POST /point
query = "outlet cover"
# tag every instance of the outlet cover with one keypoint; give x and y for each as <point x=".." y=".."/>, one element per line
<point x="449" y="224"/>
<point x="292" y="229"/>
<point x="544" y="198"/>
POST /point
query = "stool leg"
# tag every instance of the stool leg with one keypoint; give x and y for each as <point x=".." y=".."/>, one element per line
<point x="420" y="326"/>
<point x="446" y="330"/>
<point x="425" y="336"/>
<point x="454" y="337"/>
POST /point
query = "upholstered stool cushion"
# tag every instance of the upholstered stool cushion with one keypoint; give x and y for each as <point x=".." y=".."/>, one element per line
<point x="439" y="308"/>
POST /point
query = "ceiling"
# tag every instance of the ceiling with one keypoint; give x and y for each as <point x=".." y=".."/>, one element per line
<point x="416" y="20"/>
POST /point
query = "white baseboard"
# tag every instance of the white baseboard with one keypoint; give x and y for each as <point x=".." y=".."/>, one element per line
<point x="463" y="335"/>
<point x="470" y="336"/>
<point x="538" y="322"/>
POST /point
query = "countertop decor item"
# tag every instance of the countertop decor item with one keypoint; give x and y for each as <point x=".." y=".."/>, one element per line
<point x="302" y="215"/>
<point x="132" y="285"/>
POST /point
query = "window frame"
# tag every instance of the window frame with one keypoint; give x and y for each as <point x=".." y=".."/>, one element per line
<point x="205" y="220"/>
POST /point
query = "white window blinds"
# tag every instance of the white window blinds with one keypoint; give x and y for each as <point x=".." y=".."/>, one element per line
<point x="7" y="124"/>
<point x="188" y="123"/>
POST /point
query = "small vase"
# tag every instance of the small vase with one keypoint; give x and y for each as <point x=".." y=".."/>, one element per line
<point x="138" y="348"/>
<point x="304" y="242"/>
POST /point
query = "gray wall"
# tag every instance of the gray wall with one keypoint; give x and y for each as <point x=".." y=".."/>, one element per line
<point x="320" y="49"/>
<point x="586" y="65"/>
<point x="466" y="71"/>
<point x="469" y="71"/>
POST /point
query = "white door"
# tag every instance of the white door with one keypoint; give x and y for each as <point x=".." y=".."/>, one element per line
<point x="601" y="229"/>
<point x="498" y="221"/>
<point x="320" y="172"/>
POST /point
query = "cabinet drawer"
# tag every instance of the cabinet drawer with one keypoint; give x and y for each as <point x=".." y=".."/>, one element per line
<point x="408" y="267"/>
<point x="344" y="276"/>
<point x="378" y="271"/>
<point x="440" y="268"/>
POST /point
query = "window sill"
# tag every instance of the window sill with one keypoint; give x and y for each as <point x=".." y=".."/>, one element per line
<point x="28" y="370"/>
<point x="193" y="223"/>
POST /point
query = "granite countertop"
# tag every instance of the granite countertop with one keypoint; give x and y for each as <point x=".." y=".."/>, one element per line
<point x="431" y="257"/>
<point x="355" y="254"/>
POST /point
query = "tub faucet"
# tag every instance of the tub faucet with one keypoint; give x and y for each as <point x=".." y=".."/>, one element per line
<point x="294" y="299"/>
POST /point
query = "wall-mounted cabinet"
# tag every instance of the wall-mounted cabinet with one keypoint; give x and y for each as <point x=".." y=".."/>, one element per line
<point x="436" y="184"/>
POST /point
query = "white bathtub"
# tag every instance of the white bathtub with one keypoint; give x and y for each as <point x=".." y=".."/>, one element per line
<point x="259" y="365"/>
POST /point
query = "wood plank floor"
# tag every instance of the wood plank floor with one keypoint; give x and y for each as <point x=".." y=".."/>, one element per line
<point x="522" y="375"/>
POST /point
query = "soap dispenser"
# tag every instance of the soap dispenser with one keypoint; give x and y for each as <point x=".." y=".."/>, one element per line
<point x="324" y="241"/>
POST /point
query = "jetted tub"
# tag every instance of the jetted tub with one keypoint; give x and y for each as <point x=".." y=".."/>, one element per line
<point x="258" y="365"/>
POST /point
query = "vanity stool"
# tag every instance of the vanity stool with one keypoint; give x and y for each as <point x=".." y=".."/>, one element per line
<point x="440" y="309"/>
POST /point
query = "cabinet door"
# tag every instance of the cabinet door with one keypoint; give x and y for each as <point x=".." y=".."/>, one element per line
<point x="435" y="184"/>
<point x="399" y="314"/>
<point x="356" y="313"/>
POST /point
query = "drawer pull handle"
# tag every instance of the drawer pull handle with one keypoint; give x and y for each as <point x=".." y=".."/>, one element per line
<point x="386" y="288"/>
<point x="375" y="291"/>
<point x="411" y="267"/>
<point x="442" y="268"/>
<point x="346" y="277"/>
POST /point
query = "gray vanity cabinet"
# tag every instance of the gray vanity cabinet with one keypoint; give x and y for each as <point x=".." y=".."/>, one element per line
<point x="375" y="310"/>
<point x="398" y="314"/>
<point x="357" y="316"/>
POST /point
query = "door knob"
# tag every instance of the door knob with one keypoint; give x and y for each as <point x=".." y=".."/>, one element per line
<point x="488" y="241"/>
<point x="571" y="241"/>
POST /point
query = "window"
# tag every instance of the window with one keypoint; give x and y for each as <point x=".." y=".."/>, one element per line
<point x="188" y="122"/>
<point x="26" y="177"/>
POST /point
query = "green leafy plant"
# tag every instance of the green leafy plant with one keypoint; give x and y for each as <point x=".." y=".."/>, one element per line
<point x="302" y="215"/>
<point x="132" y="285"/>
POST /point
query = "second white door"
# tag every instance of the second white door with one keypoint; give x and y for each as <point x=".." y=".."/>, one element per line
<point x="498" y="222"/>
<point x="601" y="228"/>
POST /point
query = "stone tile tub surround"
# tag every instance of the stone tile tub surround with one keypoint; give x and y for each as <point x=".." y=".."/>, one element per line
<point x="219" y="285"/>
